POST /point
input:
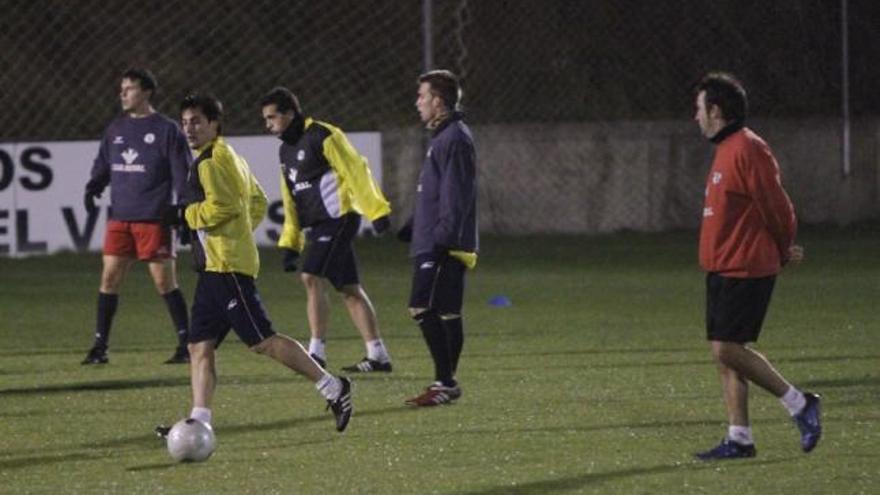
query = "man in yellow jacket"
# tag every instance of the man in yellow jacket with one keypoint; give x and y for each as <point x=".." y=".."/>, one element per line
<point x="224" y="204"/>
<point x="325" y="186"/>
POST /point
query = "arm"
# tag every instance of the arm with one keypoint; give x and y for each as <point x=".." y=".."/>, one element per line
<point x="354" y="171"/>
<point x="291" y="235"/>
<point x="258" y="202"/>
<point x="100" y="175"/>
<point x="223" y="194"/>
<point x="457" y="189"/>
<point x="772" y="202"/>
<point x="180" y="159"/>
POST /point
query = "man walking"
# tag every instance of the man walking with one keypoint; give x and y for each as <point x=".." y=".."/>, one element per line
<point x="325" y="186"/>
<point x="747" y="235"/>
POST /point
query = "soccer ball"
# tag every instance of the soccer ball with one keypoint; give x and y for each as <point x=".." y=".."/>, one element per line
<point x="190" y="440"/>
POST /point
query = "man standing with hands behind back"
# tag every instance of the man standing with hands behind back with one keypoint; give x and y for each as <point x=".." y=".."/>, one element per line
<point x="747" y="235"/>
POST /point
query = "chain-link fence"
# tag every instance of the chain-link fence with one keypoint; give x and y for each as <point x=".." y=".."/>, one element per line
<point x="585" y="104"/>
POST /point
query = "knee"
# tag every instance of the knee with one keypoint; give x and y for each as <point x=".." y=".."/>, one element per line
<point x="352" y="293"/>
<point x="724" y="353"/>
<point x="311" y="282"/>
<point x="111" y="279"/>
<point x="200" y="351"/>
<point x="263" y="347"/>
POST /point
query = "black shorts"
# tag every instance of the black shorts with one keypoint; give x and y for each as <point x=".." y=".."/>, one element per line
<point x="735" y="307"/>
<point x="438" y="284"/>
<point x="330" y="253"/>
<point x="228" y="300"/>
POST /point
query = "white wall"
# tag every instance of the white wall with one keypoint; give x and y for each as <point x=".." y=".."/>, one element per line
<point x="42" y="183"/>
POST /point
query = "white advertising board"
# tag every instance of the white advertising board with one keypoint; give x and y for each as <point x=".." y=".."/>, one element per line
<point x="42" y="184"/>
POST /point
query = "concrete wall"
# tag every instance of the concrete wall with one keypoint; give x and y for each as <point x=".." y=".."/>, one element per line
<point x="642" y="176"/>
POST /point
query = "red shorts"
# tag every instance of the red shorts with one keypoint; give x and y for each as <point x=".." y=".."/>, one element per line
<point x="142" y="240"/>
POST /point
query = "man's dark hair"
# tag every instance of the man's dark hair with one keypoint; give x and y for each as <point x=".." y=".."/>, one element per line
<point x="283" y="99"/>
<point x="144" y="77"/>
<point x="209" y="105"/>
<point x="725" y="91"/>
<point x="445" y="85"/>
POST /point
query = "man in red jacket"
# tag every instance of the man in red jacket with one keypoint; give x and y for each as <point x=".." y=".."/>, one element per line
<point x="747" y="235"/>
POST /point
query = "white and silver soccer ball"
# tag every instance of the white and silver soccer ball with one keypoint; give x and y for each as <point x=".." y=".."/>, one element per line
<point x="191" y="440"/>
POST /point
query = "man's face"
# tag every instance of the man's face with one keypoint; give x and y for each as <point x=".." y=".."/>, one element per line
<point x="131" y="96"/>
<point x="709" y="119"/>
<point x="276" y="122"/>
<point x="429" y="106"/>
<point x="197" y="128"/>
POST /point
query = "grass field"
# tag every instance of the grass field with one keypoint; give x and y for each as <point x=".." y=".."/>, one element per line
<point x="596" y="380"/>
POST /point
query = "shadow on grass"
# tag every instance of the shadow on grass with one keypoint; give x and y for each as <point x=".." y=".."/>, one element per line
<point x="99" y="386"/>
<point x="841" y="382"/>
<point x="133" y="384"/>
<point x="581" y="352"/>
<point x="149" y="441"/>
<point x="38" y="460"/>
<point x="580" y="481"/>
<point x="67" y="351"/>
<point x="671" y="363"/>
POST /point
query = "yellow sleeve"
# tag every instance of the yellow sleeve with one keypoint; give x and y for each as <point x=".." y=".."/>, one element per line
<point x="258" y="201"/>
<point x="291" y="235"/>
<point x="222" y="197"/>
<point x="467" y="258"/>
<point x="353" y="170"/>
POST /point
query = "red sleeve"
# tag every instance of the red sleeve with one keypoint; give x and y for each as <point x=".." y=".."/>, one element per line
<point x="772" y="202"/>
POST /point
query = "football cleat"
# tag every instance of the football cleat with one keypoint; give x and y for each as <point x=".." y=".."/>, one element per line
<point x="321" y="362"/>
<point x="162" y="431"/>
<point x="180" y="356"/>
<point x="435" y="395"/>
<point x="727" y="449"/>
<point x="367" y="365"/>
<point x="342" y="407"/>
<point x="809" y="422"/>
<point x="96" y="355"/>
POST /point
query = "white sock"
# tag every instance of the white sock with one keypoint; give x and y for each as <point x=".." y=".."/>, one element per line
<point x="377" y="352"/>
<point x="793" y="400"/>
<point x="202" y="414"/>
<point x="740" y="434"/>
<point x="316" y="347"/>
<point x="329" y="386"/>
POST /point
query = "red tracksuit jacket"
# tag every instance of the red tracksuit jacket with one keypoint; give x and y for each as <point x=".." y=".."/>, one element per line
<point x="748" y="220"/>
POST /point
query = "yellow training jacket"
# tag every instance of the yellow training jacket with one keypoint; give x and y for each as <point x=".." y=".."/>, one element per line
<point x="230" y="205"/>
<point x="323" y="177"/>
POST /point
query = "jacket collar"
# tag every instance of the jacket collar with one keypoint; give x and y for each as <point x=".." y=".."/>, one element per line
<point x="207" y="146"/>
<point x="454" y="116"/>
<point x="294" y="130"/>
<point x="726" y="131"/>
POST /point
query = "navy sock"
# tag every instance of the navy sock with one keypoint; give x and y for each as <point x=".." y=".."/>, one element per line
<point x="177" y="309"/>
<point x="438" y="344"/>
<point x="106" y="309"/>
<point x="455" y="333"/>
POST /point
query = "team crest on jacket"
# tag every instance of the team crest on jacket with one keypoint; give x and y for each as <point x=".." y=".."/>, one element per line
<point x="149" y="138"/>
<point x="716" y="177"/>
<point x="118" y="140"/>
<point x="129" y="155"/>
<point x="301" y="155"/>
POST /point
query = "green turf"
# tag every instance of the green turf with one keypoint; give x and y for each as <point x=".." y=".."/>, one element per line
<point x="596" y="380"/>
